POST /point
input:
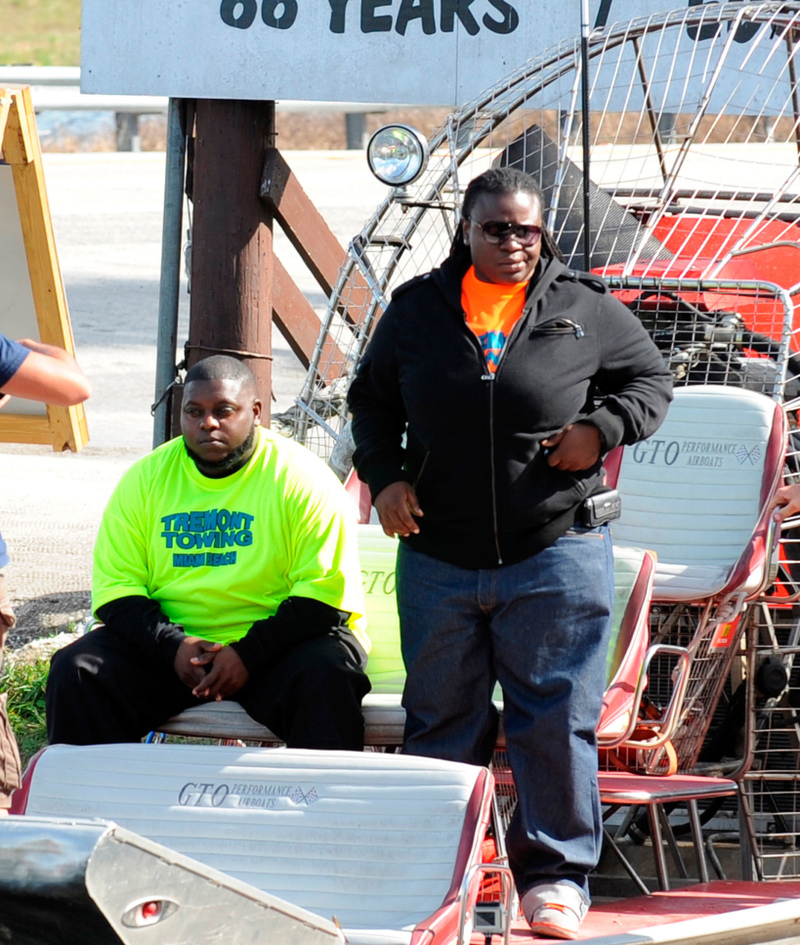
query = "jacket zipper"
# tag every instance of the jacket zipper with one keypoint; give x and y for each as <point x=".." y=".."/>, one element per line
<point x="490" y="377"/>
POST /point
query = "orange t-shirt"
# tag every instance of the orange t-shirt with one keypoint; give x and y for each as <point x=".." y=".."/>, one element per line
<point x="491" y="311"/>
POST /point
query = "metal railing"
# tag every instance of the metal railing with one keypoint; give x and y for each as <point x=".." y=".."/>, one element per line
<point x="57" y="88"/>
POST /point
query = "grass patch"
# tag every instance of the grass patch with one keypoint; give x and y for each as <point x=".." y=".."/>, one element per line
<point x="41" y="32"/>
<point x="24" y="683"/>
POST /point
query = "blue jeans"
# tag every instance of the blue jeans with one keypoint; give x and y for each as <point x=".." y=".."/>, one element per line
<point x="541" y="628"/>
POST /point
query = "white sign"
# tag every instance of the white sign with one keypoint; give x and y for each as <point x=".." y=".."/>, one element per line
<point x="423" y="52"/>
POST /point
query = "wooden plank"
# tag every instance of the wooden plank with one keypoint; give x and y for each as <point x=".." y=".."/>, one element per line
<point x="20" y="143"/>
<point x="5" y="105"/>
<point x="19" y="147"/>
<point x="68" y="428"/>
<point x="25" y="428"/>
<point x="307" y="229"/>
<point x="300" y="326"/>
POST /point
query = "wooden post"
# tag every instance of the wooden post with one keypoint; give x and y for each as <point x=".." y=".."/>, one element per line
<point x="232" y="262"/>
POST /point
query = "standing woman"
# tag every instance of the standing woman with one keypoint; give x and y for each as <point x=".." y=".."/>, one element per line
<point x="511" y="376"/>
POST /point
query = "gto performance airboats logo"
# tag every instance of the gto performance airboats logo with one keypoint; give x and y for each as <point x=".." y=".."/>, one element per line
<point x="713" y="454"/>
<point x="264" y="795"/>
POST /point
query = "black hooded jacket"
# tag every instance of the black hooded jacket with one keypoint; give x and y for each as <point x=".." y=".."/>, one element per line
<point x="473" y="450"/>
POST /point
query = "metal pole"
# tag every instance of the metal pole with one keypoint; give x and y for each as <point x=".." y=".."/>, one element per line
<point x="587" y="230"/>
<point x="171" y="233"/>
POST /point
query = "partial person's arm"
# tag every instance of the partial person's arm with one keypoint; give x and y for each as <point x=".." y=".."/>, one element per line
<point x="786" y="502"/>
<point x="48" y="374"/>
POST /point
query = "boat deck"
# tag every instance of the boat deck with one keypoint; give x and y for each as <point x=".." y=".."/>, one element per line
<point x="703" y="905"/>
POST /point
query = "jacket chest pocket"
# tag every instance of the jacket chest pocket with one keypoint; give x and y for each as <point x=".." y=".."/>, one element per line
<point x="561" y="326"/>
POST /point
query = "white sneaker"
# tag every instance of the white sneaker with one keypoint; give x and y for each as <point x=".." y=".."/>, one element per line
<point x="554" y="910"/>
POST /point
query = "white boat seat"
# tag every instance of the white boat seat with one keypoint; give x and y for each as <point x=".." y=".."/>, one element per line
<point x="380" y="841"/>
<point x="696" y="493"/>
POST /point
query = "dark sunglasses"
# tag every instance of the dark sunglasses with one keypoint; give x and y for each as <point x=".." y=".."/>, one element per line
<point x="496" y="232"/>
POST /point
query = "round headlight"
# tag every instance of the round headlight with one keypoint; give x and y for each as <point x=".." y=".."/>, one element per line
<point x="397" y="154"/>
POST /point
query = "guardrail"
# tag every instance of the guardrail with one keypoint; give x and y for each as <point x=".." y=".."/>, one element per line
<point x="57" y="88"/>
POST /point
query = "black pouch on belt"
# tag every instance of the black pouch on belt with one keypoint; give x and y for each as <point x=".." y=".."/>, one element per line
<point x="597" y="509"/>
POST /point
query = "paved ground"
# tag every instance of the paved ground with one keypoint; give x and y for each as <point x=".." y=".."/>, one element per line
<point x="107" y="211"/>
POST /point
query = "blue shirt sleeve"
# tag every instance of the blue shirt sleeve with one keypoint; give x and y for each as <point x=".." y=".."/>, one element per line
<point x="12" y="354"/>
<point x="4" y="559"/>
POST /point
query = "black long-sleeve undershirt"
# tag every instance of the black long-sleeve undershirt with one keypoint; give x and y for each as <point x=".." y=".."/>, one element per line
<point x="297" y="619"/>
<point x="145" y="625"/>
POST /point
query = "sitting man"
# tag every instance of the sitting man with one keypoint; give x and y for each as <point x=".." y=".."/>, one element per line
<point x="226" y="566"/>
<point x="35" y="371"/>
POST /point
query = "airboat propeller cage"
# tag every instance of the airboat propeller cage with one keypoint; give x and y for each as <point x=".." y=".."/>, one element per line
<point x="694" y="190"/>
<point x="397" y="154"/>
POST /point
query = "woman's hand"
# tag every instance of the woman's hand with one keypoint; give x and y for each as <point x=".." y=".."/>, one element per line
<point x="577" y="446"/>
<point x="396" y="506"/>
<point x="786" y="502"/>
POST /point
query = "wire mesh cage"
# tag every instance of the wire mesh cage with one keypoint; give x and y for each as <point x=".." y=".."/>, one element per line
<point x="695" y="627"/>
<point x="693" y="131"/>
<point x="702" y="327"/>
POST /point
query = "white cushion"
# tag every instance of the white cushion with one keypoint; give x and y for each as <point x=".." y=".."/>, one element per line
<point x="692" y="492"/>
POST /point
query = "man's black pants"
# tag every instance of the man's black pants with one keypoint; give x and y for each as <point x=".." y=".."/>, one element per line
<point x="103" y="690"/>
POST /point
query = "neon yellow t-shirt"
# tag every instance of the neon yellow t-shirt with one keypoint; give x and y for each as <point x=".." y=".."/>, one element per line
<point x="219" y="554"/>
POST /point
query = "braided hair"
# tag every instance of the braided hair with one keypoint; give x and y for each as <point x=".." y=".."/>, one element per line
<point x="499" y="181"/>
